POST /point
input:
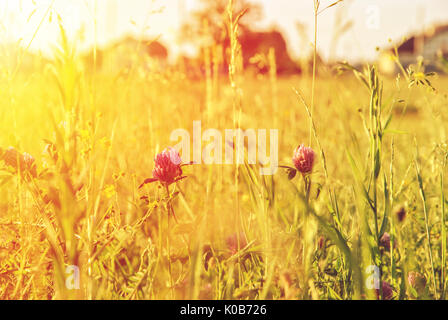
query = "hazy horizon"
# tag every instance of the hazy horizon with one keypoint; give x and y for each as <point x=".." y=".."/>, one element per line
<point x="373" y="22"/>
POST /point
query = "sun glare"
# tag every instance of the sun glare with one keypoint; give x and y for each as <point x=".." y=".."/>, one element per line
<point x="223" y="150"/>
<point x="36" y="23"/>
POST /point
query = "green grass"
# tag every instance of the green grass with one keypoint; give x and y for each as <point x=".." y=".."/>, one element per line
<point x="380" y="143"/>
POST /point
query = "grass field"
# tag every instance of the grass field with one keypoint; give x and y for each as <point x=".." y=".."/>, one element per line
<point x="375" y="212"/>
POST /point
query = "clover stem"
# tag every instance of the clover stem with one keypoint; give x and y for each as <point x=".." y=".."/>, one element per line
<point x="307" y="181"/>
<point x="169" y="209"/>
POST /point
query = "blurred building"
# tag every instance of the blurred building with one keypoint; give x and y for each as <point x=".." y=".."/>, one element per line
<point x="253" y="43"/>
<point x="431" y="45"/>
<point x="121" y="55"/>
<point x="257" y="48"/>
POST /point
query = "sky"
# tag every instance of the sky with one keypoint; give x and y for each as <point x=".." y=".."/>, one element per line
<point x="373" y="22"/>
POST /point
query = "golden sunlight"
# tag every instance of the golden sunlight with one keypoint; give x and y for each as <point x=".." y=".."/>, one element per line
<point x="222" y="150"/>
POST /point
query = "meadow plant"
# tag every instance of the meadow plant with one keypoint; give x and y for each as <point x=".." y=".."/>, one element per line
<point x="80" y="219"/>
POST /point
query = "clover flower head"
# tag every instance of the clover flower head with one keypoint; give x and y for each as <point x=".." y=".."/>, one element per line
<point x="303" y="159"/>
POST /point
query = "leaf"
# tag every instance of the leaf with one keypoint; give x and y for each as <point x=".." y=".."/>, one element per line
<point x="291" y="174"/>
<point x="353" y="166"/>
<point x="386" y="125"/>
<point x="333" y="294"/>
<point x="240" y="15"/>
<point x="180" y="178"/>
<point x="149" y="180"/>
<point x="377" y="164"/>
<point x="356" y="173"/>
<point x="31" y="15"/>
<point x="290" y="171"/>
<point x="331" y="5"/>
<point x="395" y="131"/>
<point x="385" y="222"/>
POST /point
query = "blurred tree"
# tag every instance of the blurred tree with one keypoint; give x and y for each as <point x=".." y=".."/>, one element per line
<point x="207" y="28"/>
<point x="208" y="21"/>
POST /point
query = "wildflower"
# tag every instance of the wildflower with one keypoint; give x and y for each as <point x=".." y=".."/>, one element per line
<point x="234" y="244"/>
<point x="167" y="166"/>
<point x="30" y="164"/>
<point x="23" y="163"/>
<point x="85" y="135"/>
<point x="417" y="281"/>
<point x="388" y="291"/>
<point x="321" y="242"/>
<point x="167" y="169"/>
<point x="118" y="176"/>
<point x="85" y="151"/>
<point x="12" y="158"/>
<point x="303" y="159"/>
<point x="401" y="214"/>
<point x="109" y="191"/>
<point x="385" y="241"/>
<point x="105" y="142"/>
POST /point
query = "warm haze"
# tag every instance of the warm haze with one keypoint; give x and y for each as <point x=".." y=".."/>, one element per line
<point x="171" y="150"/>
<point x="373" y="22"/>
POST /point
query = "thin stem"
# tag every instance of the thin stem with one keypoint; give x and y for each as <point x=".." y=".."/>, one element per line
<point x="428" y="234"/>
<point x="168" y="241"/>
<point x="443" y="273"/>
<point x="313" y="85"/>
